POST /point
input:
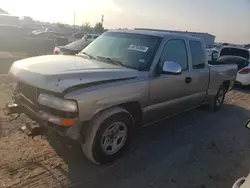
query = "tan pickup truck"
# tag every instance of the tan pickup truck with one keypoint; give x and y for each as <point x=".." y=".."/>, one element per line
<point x="123" y="80"/>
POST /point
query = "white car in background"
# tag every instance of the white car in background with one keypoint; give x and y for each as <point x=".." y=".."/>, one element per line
<point x="88" y="37"/>
<point x="241" y="57"/>
<point x="91" y="37"/>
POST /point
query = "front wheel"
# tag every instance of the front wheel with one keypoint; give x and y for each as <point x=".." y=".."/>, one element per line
<point x="107" y="136"/>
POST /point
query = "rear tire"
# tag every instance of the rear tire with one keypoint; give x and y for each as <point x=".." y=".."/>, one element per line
<point x="107" y="136"/>
<point x="218" y="100"/>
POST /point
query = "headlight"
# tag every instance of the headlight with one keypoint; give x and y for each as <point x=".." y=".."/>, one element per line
<point x="57" y="103"/>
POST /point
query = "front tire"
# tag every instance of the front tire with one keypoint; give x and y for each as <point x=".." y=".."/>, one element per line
<point x="107" y="136"/>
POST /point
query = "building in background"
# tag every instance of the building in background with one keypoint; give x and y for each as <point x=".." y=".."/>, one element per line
<point x="6" y="19"/>
<point x="207" y="38"/>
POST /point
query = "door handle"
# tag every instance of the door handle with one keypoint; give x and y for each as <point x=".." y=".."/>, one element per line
<point x="188" y="80"/>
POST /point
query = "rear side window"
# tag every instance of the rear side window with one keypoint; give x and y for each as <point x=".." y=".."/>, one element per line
<point x="198" y="55"/>
<point x="175" y="50"/>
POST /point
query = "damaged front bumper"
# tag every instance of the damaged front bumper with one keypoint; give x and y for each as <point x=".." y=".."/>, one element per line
<point x="45" y="120"/>
<point x="12" y="108"/>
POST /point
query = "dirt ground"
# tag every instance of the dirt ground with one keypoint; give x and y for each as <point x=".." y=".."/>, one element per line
<point x="6" y="60"/>
<point x="198" y="149"/>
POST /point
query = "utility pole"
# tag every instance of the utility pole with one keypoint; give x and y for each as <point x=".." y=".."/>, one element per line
<point x="74" y="22"/>
<point x="102" y="20"/>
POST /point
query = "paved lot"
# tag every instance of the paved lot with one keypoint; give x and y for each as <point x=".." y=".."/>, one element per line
<point x="198" y="149"/>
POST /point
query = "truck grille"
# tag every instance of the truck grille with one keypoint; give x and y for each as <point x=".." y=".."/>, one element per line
<point x="28" y="96"/>
<point x="28" y="91"/>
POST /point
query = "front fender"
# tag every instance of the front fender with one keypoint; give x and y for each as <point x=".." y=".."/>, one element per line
<point x="93" y="100"/>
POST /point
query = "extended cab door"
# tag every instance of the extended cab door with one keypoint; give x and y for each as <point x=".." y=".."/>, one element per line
<point x="199" y="71"/>
<point x="171" y="94"/>
<point x="168" y="92"/>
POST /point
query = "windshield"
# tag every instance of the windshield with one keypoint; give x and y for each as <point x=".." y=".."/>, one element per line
<point x="132" y="50"/>
<point x="235" y="52"/>
<point x="77" y="45"/>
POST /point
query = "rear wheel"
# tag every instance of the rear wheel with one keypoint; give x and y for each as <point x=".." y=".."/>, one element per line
<point x="107" y="137"/>
<point x="218" y="100"/>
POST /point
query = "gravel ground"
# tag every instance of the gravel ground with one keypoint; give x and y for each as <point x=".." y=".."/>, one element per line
<point x="198" y="149"/>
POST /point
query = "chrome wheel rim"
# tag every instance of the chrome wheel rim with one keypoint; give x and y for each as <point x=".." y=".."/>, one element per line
<point x="114" y="138"/>
<point x="219" y="98"/>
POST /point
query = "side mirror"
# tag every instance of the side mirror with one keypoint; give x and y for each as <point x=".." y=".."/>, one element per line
<point x="171" y="67"/>
<point x="215" y="56"/>
<point x="248" y="124"/>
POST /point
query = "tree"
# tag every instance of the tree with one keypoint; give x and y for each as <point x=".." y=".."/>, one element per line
<point x="28" y="18"/>
<point x="87" y="27"/>
<point x="3" y="11"/>
<point x="99" y="28"/>
<point x="60" y="25"/>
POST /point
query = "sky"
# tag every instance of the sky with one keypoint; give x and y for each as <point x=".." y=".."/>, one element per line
<point x="228" y="20"/>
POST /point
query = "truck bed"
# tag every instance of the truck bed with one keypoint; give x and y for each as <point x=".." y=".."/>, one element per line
<point x="221" y="72"/>
<point x="217" y="63"/>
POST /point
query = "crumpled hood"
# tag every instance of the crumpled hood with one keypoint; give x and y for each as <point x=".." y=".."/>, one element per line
<point x="58" y="72"/>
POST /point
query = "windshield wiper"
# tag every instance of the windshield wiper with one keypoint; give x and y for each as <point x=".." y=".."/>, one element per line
<point x="89" y="55"/>
<point x="114" y="61"/>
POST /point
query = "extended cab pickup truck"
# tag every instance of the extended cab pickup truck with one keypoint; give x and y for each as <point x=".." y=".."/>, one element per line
<point x="121" y="81"/>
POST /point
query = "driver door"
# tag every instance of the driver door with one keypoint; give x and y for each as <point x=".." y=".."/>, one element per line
<point x="169" y="93"/>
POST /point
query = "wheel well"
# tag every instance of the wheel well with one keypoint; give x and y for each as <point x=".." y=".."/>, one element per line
<point x="226" y="84"/>
<point x="134" y="108"/>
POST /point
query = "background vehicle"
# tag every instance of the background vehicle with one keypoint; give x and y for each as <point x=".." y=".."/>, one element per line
<point x="12" y="31"/>
<point x="212" y="54"/>
<point x="239" y="56"/>
<point x="75" y="37"/>
<point x="17" y="39"/>
<point x="37" y="31"/>
<point x="121" y="81"/>
<point x="234" y="51"/>
<point x="46" y="34"/>
<point x="91" y="37"/>
<point x="87" y="37"/>
<point x="243" y="182"/>
<point x="14" y="39"/>
<point x="71" y="48"/>
<point x="50" y="35"/>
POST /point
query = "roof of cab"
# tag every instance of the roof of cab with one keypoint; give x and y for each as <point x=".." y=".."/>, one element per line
<point x="155" y="33"/>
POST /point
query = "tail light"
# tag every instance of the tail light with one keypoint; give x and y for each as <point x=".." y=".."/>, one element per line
<point x="55" y="51"/>
<point x="244" y="71"/>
